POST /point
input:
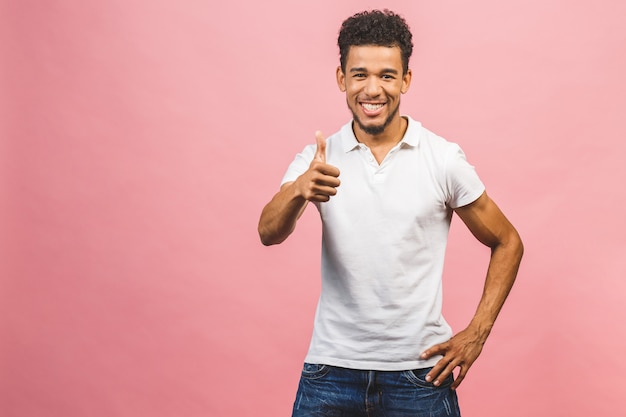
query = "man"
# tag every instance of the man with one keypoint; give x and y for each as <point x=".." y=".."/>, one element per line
<point x="386" y="189"/>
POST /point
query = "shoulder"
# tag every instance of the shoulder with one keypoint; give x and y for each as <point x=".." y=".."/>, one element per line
<point x="430" y="145"/>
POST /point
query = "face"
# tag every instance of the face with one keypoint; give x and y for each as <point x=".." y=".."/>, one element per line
<point x="373" y="82"/>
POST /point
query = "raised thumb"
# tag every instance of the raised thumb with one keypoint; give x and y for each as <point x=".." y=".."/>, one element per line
<point x="320" y="153"/>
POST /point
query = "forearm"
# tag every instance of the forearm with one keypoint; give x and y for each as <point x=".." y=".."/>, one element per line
<point x="487" y="223"/>
<point x="279" y="216"/>
<point x="503" y="266"/>
<point x="318" y="184"/>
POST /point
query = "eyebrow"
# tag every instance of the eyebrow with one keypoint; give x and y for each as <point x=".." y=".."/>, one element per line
<point x="385" y="71"/>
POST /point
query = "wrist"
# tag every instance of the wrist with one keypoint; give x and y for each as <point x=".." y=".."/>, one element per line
<point x="480" y="329"/>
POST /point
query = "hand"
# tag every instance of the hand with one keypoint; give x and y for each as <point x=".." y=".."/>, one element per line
<point x="320" y="181"/>
<point x="461" y="350"/>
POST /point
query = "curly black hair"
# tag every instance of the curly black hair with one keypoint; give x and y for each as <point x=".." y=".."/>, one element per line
<point x="381" y="28"/>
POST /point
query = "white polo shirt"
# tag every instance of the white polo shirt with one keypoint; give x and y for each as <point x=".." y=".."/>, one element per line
<point x="383" y="244"/>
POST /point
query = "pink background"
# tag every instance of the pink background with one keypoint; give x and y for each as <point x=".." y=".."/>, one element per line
<point x="140" y="140"/>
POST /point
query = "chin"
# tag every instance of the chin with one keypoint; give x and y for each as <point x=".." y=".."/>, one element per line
<point x="373" y="130"/>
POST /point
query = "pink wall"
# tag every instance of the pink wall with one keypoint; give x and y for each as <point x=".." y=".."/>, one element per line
<point x="140" y="140"/>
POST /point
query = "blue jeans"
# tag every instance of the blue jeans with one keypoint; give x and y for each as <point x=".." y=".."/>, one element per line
<point x="328" y="391"/>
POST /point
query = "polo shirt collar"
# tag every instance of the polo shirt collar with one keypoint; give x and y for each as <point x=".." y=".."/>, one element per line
<point x="412" y="134"/>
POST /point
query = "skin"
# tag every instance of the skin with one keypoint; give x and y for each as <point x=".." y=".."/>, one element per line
<point x="374" y="76"/>
<point x="373" y="82"/>
<point x="489" y="225"/>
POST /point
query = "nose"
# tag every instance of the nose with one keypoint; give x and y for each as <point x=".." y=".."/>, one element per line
<point x="372" y="87"/>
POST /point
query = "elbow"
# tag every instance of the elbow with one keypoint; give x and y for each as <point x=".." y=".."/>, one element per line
<point x="268" y="238"/>
<point x="266" y="241"/>
<point x="516" y="246"/>
<point x="512" y="244"/>
<point x="520" y="249"/>
<point x="265" y="237"/>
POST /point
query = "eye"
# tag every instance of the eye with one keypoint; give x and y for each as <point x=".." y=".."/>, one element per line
<point x="359" y="75"/>
<point x="388" y="77"/>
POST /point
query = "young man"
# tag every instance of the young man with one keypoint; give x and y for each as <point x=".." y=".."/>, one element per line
<point x="386" y="189"/>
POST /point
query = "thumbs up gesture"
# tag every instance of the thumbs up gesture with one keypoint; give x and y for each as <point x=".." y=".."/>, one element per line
<point x="321" y="180"/>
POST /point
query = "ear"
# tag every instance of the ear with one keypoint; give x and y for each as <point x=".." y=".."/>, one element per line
<point x="341" y="79"/>
<point x="406" y="81"/>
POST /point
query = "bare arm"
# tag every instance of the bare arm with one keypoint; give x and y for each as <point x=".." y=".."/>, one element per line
<point x="489" y="225"/>
<point x="279" y="217"/>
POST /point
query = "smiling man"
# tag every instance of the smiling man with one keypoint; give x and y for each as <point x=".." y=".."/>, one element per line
<point x="386" y="189"/>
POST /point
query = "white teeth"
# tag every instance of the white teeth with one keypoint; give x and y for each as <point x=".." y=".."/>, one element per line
<point x="372" y="107"/>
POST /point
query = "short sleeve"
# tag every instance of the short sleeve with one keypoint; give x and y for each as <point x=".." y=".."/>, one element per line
<point x="463" y="186"/>
<point x="299" y="165"/>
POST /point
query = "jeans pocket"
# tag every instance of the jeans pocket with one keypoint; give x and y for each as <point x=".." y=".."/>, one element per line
<point x="314" y="370"/>
<point x="418" y="378"/>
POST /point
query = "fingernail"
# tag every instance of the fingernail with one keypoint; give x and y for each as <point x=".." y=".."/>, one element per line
<point x="436" y="383"/>
<point x="428" y="378"/>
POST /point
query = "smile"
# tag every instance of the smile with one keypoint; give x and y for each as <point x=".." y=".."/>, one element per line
<point x="372" y="107"/>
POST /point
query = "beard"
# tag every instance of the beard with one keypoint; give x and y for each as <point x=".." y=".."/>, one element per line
<point x="374" y="130"/>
